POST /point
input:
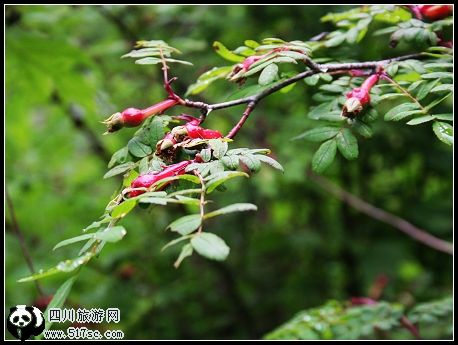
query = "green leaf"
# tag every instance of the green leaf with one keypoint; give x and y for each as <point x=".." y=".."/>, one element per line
<point x="129" y="178"/>
<point x="261" y="64"/>
<point x="425" y="89"/>
<point x="438" y="75"/>
<point x="324" y="156"/>
<point x="444" y="132"/>
<point x="437" y="101"/>
<point x="287" y="88"/>
<point x="41" y="274"/>
<point x="347" y="144"/>
<point x="421" y="119"/>
<point x="270" y="161"/>
<point x="154" y="200"/>
<point x="226" y="53"/>
<point x="240" y="207"/>
<point x="71" y="265"/>
<point x="148" y="61"/>
<point x="123" y="208"/>
<point x="113" y="234"/>
<point x="322" y="109"/>
<point x="143" y="167"/>
<point x="137" y="148"/>
<point x="319" y="134"/>
<point x="231" y="161"/>
<point x="185" y="225"/>
<point x="439" y="65"/>
<point x="251" y="44"/>
<point x="206" y="155"/>
<point x="312" y="80"/>
<point x="363" y="129"/>
<point x="59" y="298"/>
<point x="175" y="241"/>
<point x="335" y="41"/>
<point x="443" y="87"/>
<point x="219" y="178"/>
<point x="73" y="240"/>
<point x="156" y="131"/>
<point x="210" y="246"/>
<point x="332" y="88"/>
<point x="251" y="162"/>
<point x="215" y="72"/>
<point x="397" y="112"/>
<point x="119" y="169"/>
<point x="268" y="74"/>
<point x="187" y="177"/>
<point x="119" y="156"/>
<point x="179" y="61"/>
<point x="219" y="147"/>
<point x="446" y="117"/>
<point x="185" y="252"/>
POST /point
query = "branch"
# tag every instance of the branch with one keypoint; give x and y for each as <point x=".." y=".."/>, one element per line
<point x="20" y="236"/>
<point x="383" y="216"/>
<point x="242" y="120"/>
<point x="202" y="200"/>
<point x="316" y="68"/>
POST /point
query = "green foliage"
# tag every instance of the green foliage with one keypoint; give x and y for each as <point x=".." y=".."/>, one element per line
<point x="339" y="321"/>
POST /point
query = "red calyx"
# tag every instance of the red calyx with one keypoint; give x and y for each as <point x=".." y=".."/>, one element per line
<point x="133" y="117"/>
<point x="194" y="131"/>
<point x="197" y="132"/>
<point x="435" y="12"/>
<point x="359" y="97"/>
<point x="147" y="180"/>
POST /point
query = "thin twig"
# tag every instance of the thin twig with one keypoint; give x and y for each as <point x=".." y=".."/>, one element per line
<point x="407" y="324"/>
<point x="404" y="91"/>
<point x="20" y="236"/>
<point x="319" y="68"/>
<point x="202" y="199"/>
<point x="242" y="120"/>
<point x="401" y="224"/>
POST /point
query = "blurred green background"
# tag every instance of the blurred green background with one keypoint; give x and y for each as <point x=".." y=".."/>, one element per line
<point x="303" y="247"/>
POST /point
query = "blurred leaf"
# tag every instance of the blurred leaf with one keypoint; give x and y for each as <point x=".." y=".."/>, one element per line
<point x="226" y="53"/>
<point x="319" y="134"/>
<point x="347" y="144"/>
<point x="185" y="225"/>
<point x="324" y="156"/>
<point x="444" y="132"/>
<point x="402" y="111"/>
<point x="219" y="147"/>
<point x="213" y="181"/>
<point x="137" y="148"/>
<point x="73" y="240"/>
<point x="268" y="74"/>
<point x="112" y="234"/>
<point x="251" y="162"/>
<point x="421" y="119"/>
<point x="240" y="207"/>
<point x="59" y="298"/>
<point x="270" y="161"/>
<point x="119" y="169"/>
<point x="210" y="246"/>
<point x="123" y="209"/>
<point x="185" y="252"/>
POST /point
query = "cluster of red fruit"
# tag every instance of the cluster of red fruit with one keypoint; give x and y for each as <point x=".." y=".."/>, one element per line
<point x="133" y="117"/>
